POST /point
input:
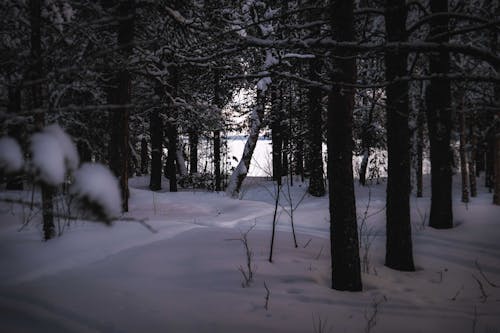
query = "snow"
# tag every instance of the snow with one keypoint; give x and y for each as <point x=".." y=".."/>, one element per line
<point x="53" y="154"/>
<point x="48" y="158"/>
<point x="185" y="277"/>
<point x="263" y="83"/>
<point x="11" y="156"/>
<point x="95" y="183"/>
<point x="66" y="144"/>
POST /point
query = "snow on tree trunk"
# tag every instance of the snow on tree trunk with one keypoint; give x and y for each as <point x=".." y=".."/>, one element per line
<point x="239" y="174"/>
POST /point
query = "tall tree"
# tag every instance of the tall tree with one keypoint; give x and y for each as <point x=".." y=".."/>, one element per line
<point x="346" y="269"/>
<point x="399" y="253"/>
<point x="315" y="133"/>
<point x="36" y="95"/>
<point x="439" y="121"/>
<point x="121" y="96"/>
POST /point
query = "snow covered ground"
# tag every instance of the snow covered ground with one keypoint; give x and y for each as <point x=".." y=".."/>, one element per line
<point x="186" y="278"/>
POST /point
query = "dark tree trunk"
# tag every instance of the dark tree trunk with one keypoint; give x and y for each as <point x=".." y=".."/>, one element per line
<point x="144" y="156"/>
<point x="217" y="142"/>
<point x="464" y="172"/>
<point x="420" y="149"/>
<point x="496" y="193"/>
<point x="366" y="142"/>
<point x="171" y="167"/>
<point x="399" y="253"/>
<point x="439" y="122"/>
<point x="346" y="269"/>
<point x="489" y="172"/>
<point x="316" y="182"/>
<point x="119" y="147"/>
<point x="472" y="159"/>
<point x="156" y="133"/>
<point x="193" y="151"/>
<point x="15" y="182"/>
<point x="84" y="152"/>
<point x="36" y="90"/>
<point x="276" y="136"/>
<point x="496" y="127"/>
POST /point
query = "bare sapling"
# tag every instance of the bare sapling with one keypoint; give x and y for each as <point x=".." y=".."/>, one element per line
<point x="247" y="269"/>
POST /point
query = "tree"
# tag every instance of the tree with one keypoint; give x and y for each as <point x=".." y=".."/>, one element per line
<point x="121" y="96"/>
<point x="36" y="96"/>
<point x="438" y="108"/>
<point x="399" y="253"/>
<point x="346" y="269"/>
<point x="315" y="133"/>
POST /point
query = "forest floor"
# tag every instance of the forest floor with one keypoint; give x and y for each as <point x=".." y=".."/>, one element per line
<point x="186" y="277"/>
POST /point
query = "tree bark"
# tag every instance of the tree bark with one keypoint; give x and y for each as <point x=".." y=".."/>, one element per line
<point x="399" y="252"/>
<point x="119" y="146"/>
<point x="156" y="133"/>
<point x="276" y="136"/>
<point x="439" y="122"/>
<point x="346" y="269"/>
<point x="217" y="141"/>
<point x="496" y="193"/>
<point x="36" y="90"/>
<point x="316" y="181"/>
<point x="420" y="147"/>
<point x="144" y="156"/>
<point x="170" y="166"/>
<point x="239" y="174"/>
<point x="472" y="159"/>
<point x="17" y="131"/>
<point x="463" y="151"/>
<point x="193" y="151"/>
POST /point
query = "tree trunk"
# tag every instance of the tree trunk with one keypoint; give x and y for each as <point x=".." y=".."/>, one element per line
<point x="472" y="160"/>
<point x="276" y="136"/>
<point x="239" y="174"/>
<point x="420" y="149"/>
<point x="16" y="130"/>
<point x="36" y="60"/>
<point x="144" y="156"/>
<point x="156" y="133"/>
<point x="399" y="252"/>
<point x="366" y="141"/>
<point x="346" y="269"/>
<point x="439" y="122"/>
<point x="119" y="146"/>
<point x="463" y="152"/>
<point x="217" y="143"/>
<point x="496" y="193"/>
<point x="170" y="166"/>
<point x="193" y="151"/>
<point x="316" y="182"/>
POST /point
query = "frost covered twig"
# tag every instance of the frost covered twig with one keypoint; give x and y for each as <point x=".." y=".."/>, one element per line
<point x="476" y="263"/>
<point x="484" y="296"/>
<point x="268" y="293"/>
<point x="320" y="325"/>
<point x="371" y="320"/>
<point x="247" y="272"/>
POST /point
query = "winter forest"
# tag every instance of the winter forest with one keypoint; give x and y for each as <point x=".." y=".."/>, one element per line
<point x="250" y="166"/>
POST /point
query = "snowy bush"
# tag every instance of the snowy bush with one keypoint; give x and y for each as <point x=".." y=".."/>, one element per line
<point x="67" y="146"/>
<point x="97" y="188"/>
<point x="47" y="159"/>
<point x="11" y="156"/>
<point x="54" y="157"/>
